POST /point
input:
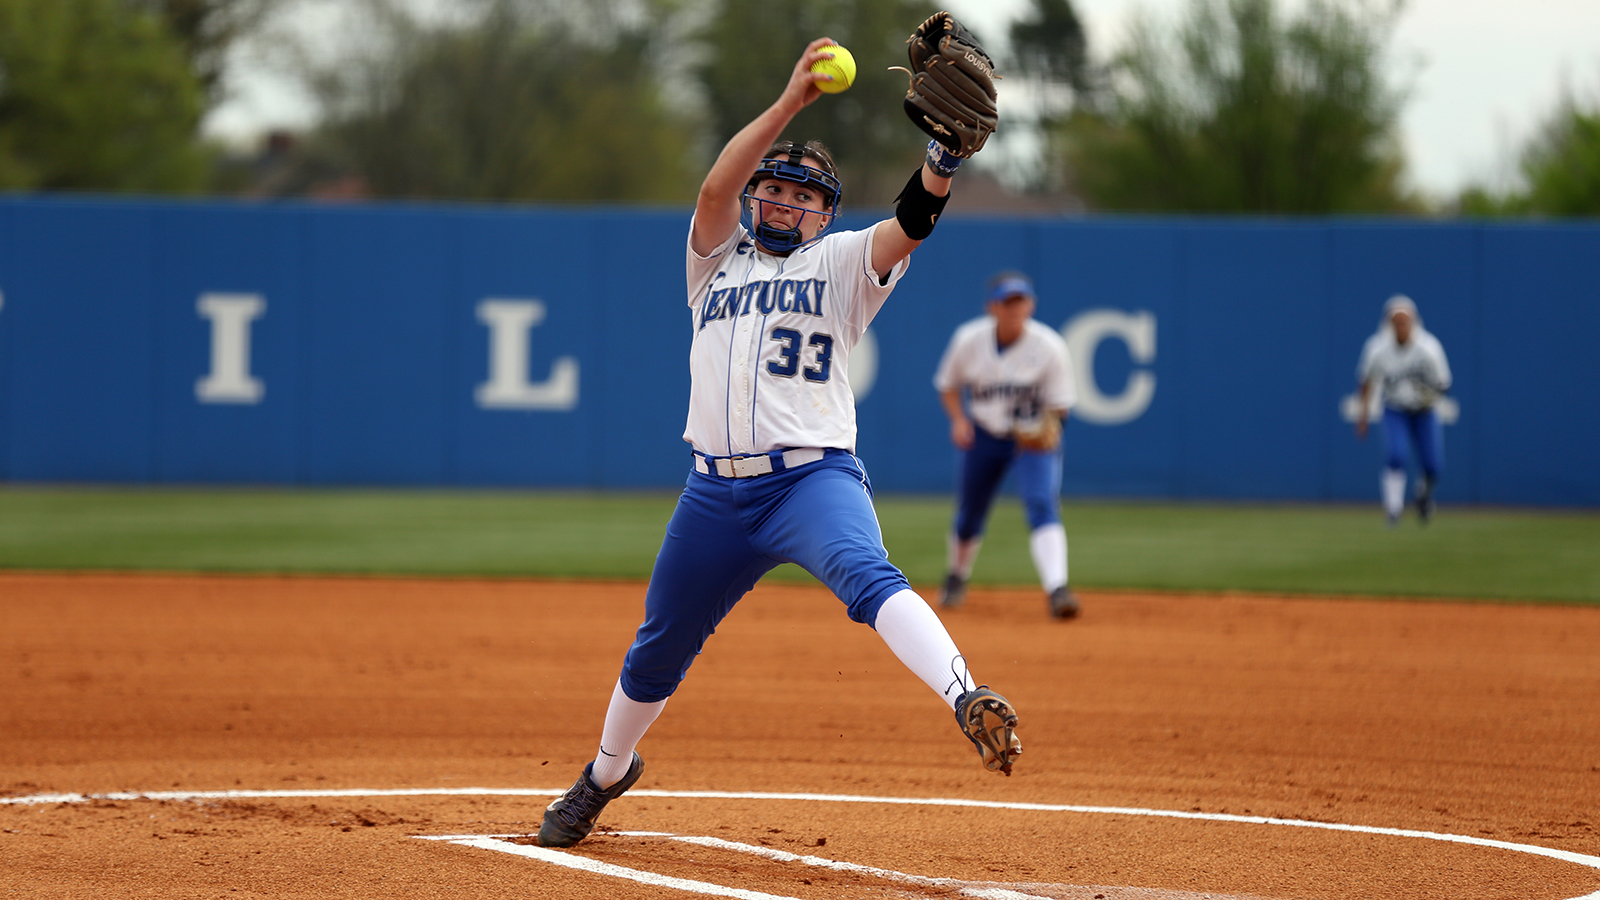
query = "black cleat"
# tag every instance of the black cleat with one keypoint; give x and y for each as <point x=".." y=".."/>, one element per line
<point x="990" y="723"/>
<point x="571" y="817"/>
<point x="954" y="592"/>
<point x="1063" y="603"/>
<point x="1425" y="501"/>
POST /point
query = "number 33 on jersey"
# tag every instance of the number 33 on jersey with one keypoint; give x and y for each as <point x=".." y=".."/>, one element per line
<point x="775" y="333"/>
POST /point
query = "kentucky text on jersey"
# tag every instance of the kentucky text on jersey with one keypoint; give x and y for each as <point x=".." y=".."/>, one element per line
<point x="985" y="392"/>
<point x="764" y="297"/>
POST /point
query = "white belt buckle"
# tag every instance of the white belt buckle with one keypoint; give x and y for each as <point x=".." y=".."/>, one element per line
<point x="751" y="466"/>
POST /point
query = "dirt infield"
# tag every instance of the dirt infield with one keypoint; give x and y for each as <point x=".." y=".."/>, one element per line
<point x="295" y="737"/>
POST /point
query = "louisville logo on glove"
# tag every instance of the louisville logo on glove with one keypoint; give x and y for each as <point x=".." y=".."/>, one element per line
<point x="952" y="95"/>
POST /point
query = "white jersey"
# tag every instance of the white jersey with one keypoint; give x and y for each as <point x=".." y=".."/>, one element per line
<point x="1011" y="386"/>
<point x="769" y="366"/>
<point x="1409" y="376"/>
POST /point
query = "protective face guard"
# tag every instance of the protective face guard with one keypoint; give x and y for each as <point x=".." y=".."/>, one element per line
<point x="786" y="240"/>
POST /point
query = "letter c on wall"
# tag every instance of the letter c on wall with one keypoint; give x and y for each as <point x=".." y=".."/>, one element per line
<point x="1083" y="334"/>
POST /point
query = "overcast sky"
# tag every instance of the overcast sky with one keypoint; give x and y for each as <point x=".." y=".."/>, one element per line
<point x="1483" y="73"/>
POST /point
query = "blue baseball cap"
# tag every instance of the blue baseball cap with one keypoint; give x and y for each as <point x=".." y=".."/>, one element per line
<point x="1011" y="285"/>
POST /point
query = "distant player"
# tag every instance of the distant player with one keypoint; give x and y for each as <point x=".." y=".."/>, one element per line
<point x="1406" y="366"/>
<point x="776" y="303"/>
<point x="1006" y="384"/>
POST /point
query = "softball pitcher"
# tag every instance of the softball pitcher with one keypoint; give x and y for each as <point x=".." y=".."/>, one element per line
<point x="776" y="303"/>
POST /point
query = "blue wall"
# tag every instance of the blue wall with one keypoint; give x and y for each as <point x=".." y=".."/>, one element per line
<point x="369" y="348"/>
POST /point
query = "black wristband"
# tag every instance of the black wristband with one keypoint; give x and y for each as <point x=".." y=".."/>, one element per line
<point x="917" y="210"/>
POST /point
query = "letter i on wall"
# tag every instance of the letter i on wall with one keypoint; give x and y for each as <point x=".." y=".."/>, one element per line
<point x="230" y="380"/>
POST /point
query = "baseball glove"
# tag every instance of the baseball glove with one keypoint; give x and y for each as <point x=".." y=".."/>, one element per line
<point x="1043" y="433"/>
<point x="952" y="94"/>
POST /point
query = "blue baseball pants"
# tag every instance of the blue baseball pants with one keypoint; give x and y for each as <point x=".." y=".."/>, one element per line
<point x="727" y="532"/>
<point x="984" y="466"/>
<point x="1424" y="433"/>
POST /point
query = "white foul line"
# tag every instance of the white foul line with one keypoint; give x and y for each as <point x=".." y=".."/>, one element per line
<point x="1580" y="859"/>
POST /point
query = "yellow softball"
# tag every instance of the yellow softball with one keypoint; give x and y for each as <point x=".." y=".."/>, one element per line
<point x="842" y="67"/>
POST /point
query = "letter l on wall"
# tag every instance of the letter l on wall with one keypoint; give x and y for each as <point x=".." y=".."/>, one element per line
<point x="510" y="322"/>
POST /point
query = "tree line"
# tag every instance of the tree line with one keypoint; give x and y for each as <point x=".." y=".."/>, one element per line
<point x="1239" y="106"/>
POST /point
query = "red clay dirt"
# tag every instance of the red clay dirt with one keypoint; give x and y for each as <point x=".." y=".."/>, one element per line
<point x="1458" y="719"/>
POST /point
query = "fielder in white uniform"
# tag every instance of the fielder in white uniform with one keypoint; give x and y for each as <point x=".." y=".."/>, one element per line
<point x="1006" y="384"/>
<point x="1404" y="365"/>
<point x="776" y="304"/>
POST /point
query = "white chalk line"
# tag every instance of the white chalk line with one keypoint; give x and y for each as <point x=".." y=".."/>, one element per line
<point x="584" y="864"/>
<point x="1580" y="859"/>
<point x="820" y="862"/>
<point x="975" y="890"/>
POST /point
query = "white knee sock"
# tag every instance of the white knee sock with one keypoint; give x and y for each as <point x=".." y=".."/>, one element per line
<point x="626" y="722"/>
<point x="962" y="554"/>
<point x="1048" y="544"/>
<point x="1394" y="492"/>
<point x="913" y="631"/>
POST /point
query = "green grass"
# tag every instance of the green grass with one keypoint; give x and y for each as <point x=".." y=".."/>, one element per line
<point x="1476" y="553"/>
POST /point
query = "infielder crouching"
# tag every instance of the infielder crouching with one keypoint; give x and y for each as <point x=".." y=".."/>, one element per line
<point x="1405" y="365"/>
<point x="1006" y="383"/>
